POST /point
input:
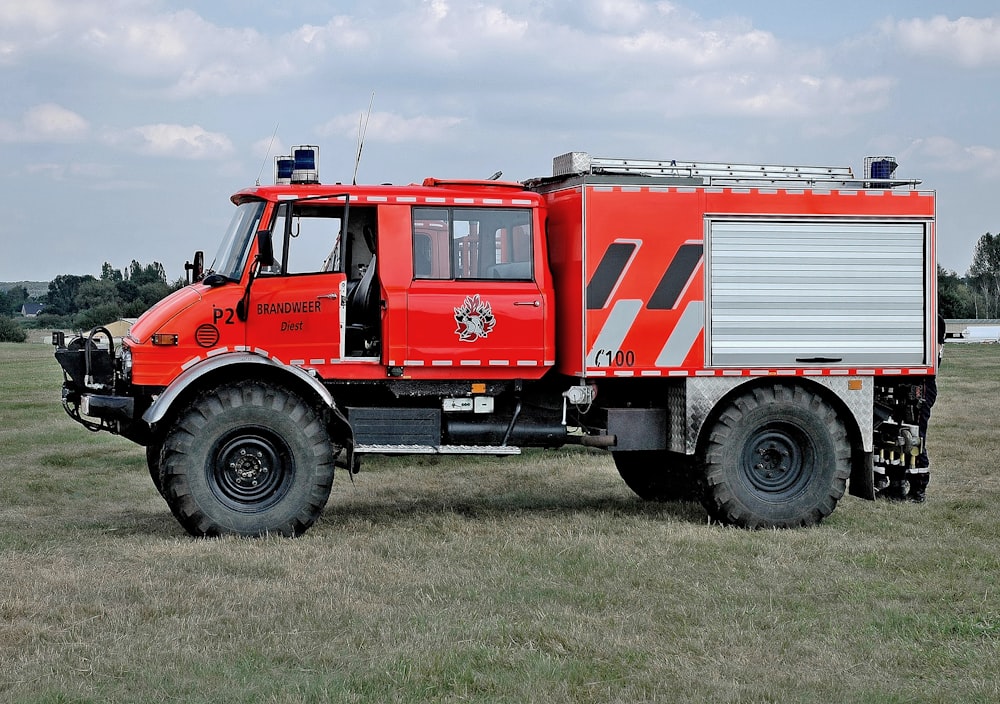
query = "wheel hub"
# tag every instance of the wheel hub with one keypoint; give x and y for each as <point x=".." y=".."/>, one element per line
<point x="248" y="467"/>
<point x="250" y="470"/>
<point x="773" y="462"/>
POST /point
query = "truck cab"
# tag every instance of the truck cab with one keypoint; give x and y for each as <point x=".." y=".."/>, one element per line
<point x="432" y="281"/>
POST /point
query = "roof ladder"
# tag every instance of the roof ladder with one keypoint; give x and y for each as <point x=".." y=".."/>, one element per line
<point x="583" y="163"/>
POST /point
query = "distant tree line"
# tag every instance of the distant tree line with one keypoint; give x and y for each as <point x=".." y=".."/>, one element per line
<point x="82" y="302"/>
<point x="977" y="294"/>
<point x="12" y="300"/>
<point x="10" y="305"/>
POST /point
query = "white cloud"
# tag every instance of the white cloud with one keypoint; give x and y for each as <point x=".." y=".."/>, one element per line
<point x="269" y="146"/>
<point x="30" y="27"/>
<point x="186" y="54"/>
<point x="47" y="122"/>
<point x="968" y="41"/>
<point x="192" y="56"/>
<point x="178" y="141"/>
<point x="53" y="122"/>
<point x="88" y="171"/>
<point x="776" y="95"/>
<point x="389" y="127"/>
<point x="700" y="48"/>
<point x="495" y="23"/>
<point x="947" y="154"/>
<point x="618" y="15"/>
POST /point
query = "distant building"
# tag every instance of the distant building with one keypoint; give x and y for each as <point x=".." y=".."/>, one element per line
<point x="120" y="327"/>
<point x="973" y="330"/>
<point x="31" y="310"/>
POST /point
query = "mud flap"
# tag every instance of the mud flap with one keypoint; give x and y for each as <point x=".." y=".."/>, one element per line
<point x="862" y="482"/>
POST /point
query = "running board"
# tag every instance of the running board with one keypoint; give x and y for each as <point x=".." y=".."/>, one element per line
<point x="437" y="449"/>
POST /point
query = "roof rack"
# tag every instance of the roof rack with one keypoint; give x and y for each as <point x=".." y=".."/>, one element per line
<point x="574" y="163"/>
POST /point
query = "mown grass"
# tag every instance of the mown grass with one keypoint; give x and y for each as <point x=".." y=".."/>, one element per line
<point x="538" y="579"/>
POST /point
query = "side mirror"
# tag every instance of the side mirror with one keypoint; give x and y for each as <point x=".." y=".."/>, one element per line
<point x="195" y="270"/>
<point x="265" y="248"/>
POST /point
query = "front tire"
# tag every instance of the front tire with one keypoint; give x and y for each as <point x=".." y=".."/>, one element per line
<point x="153" y="450"/>
<point x="247" y="459"/>
<point x="777" y="457"/>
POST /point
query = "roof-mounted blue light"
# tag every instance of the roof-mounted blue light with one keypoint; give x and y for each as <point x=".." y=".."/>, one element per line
<point x="305" y="168"/>
<point x="283" y="167"/>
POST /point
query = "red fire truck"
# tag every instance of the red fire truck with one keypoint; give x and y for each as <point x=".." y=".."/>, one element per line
<point x="759" y="334"/>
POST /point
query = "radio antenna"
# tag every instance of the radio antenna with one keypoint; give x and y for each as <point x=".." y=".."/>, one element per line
<point x="267" y="153"/>
<point x="362" y="131"/>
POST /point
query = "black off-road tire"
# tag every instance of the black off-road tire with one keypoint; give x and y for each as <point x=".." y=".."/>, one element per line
<point x="658" y="475"/>
<point x="153" y="463"/>
<point x="247" y="459"/>
<point x="777" y="457"/>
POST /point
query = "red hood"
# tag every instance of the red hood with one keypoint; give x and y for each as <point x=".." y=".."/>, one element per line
<point x="164" y="311"/>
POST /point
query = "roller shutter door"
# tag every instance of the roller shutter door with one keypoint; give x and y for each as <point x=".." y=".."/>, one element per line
<point x="816" y="293"/>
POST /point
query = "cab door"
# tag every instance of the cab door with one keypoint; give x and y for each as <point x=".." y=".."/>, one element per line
<point x="297" y="319"/>
<point x="474" y="301"/>
<point x="295" y="311"/>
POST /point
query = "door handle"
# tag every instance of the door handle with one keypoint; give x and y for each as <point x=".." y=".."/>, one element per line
<point x="533" y="304"/>
<point x="331" y="296"/>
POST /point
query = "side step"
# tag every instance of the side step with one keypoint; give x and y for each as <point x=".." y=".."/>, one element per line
<point x="437" y="449"/>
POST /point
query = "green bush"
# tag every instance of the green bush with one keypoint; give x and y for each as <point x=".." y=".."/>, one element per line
<point x="10" y="331"/>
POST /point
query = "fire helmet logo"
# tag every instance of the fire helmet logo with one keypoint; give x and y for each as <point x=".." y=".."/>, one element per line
<point x="475" y="319"/>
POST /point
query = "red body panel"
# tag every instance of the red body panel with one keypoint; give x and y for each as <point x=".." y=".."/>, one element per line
<point x="630" y="264"/>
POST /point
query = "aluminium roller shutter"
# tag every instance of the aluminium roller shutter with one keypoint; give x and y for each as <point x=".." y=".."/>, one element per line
<point x="816" y="292"/>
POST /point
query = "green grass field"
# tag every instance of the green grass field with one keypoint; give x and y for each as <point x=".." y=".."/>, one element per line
<point x="531" y="579"/>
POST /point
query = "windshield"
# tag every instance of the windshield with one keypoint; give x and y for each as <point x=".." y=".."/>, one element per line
<point x="232" y="254"/>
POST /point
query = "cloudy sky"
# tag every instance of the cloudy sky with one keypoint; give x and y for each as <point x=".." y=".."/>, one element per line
<point x="126" y="124"/>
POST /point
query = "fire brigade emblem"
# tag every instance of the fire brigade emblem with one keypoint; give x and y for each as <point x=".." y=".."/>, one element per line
<point x="475" y="319"/>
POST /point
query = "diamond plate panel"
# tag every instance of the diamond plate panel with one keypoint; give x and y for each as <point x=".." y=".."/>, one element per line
<point x="704" y="393"/>
<point x="676" y="418"/>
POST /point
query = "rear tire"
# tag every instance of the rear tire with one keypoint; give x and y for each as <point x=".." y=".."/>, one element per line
<point x="777" y="457"/>
<point x="658" y="475"/>
<point x="247" y="459"/>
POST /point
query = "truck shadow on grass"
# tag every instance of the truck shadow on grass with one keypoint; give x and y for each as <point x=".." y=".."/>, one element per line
<point x="396" y="510"/>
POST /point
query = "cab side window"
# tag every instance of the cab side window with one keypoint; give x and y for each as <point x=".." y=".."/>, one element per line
<point x="472" y="243"/>
<point x="309" y="238"/>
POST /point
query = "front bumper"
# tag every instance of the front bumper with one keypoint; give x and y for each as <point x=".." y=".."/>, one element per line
<point x="119" y="408"/>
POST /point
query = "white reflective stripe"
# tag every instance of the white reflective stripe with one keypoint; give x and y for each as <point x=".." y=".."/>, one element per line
<point x="616" y="327"/>
<point x="683" y="336"/>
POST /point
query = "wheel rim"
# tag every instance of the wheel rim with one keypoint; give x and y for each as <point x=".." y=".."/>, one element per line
<point x="775" y="460"/>
<point x="250" y="469"/>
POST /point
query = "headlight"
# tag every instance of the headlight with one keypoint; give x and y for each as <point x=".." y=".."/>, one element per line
<point x="127" y="362"/>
